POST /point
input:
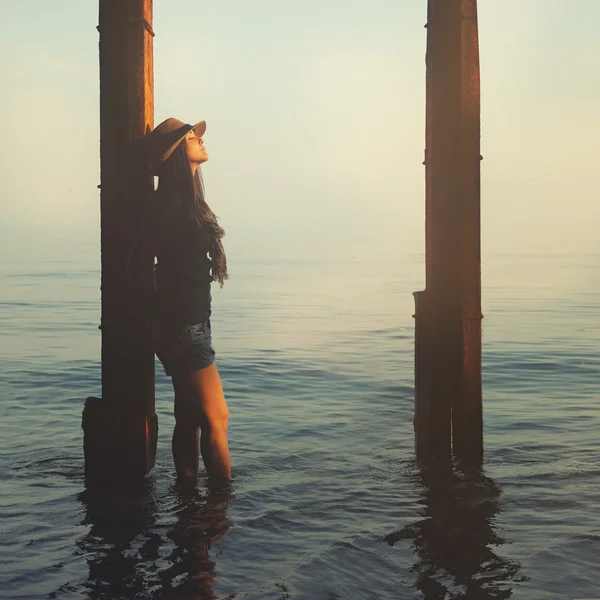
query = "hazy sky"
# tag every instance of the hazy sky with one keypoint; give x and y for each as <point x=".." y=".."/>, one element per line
<point x="315" y="113"/>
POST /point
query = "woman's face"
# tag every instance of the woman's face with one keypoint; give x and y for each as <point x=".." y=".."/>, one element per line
<point x="195" y="150"/>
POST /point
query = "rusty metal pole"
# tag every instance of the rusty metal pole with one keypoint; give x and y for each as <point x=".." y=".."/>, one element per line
<point x="447" y="312"/>
<point x="120" y="428"/>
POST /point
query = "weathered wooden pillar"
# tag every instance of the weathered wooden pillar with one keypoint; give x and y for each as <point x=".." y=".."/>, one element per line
<point x="448" y="415"/>
<point x="467" y="413"/>
<point x="120" y="428"/>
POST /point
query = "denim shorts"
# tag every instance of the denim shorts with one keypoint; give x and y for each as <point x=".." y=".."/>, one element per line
<point x="188" y="348"/>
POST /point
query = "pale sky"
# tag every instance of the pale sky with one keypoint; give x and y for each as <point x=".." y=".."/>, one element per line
<point x="316" y="118"/>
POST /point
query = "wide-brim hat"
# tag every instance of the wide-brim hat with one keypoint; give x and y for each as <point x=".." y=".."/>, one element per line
<point x="161" y="142"/>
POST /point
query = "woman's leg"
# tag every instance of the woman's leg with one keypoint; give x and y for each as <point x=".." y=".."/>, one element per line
<point x="186" y="435"/>
<point x="200" y="404"/>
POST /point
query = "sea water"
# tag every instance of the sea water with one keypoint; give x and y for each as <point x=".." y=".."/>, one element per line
<point x="327" y="501"/>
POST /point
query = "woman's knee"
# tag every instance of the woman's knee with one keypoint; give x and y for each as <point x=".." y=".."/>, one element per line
<point x="189" y="411"/>
<point x="199" y="399"/>
<point x="214" y="420"/>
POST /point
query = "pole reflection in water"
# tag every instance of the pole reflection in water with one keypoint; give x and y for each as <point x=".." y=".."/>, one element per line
<point x="454" y="540"/>
<point x="131" y="551"/>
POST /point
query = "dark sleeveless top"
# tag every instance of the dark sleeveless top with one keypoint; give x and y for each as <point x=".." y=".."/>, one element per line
<point x="183" y="266"/>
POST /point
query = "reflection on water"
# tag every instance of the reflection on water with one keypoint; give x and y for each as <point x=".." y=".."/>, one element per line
<point x="131" y="555"/>
<point x="454" y="541"/>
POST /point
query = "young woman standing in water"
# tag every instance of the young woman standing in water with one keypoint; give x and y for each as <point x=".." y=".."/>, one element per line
<point x="183" y="233"/>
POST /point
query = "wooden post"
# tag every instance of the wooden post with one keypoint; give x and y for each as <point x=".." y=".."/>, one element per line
<point x="448" y="311"/>
<point x="120" y="429"/>
<point x="467" y="411"/>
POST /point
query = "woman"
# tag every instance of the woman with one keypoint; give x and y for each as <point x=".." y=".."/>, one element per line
<point x="182" y="232"/>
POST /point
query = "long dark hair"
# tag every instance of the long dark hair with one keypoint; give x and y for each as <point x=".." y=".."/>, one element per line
<point x="175" y="173"/>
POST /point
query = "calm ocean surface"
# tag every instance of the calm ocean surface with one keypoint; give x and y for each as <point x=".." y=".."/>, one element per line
<point x="317" y="365"/>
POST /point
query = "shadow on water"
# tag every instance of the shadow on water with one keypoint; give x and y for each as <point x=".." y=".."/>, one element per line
<point x="131" y="555"/>
<point x="455" y="539"/>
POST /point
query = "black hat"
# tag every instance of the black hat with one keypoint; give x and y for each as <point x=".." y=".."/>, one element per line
<point x="161" y="142"/>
